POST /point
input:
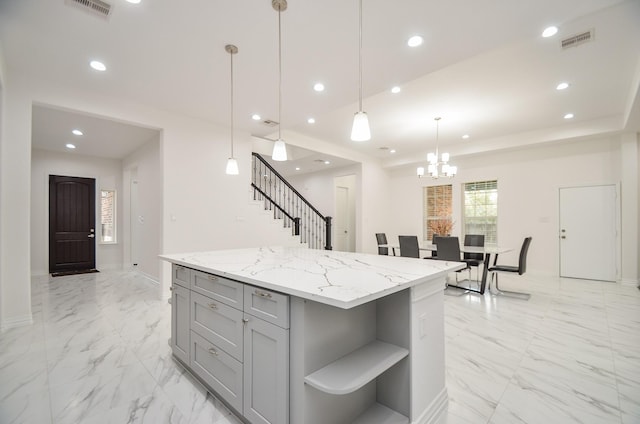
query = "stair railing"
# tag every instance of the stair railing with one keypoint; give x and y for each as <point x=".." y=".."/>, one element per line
<point x="289" y="205"/>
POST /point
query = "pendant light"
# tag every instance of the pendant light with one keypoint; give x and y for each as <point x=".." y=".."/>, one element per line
<point x="279" y="148"/>
<point x="360" y="130"/>
<point x="232" y="163"/>
<point x="435" y="161"/>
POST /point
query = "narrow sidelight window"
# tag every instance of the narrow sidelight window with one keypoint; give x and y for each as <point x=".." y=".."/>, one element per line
<point x="108" y="216"/>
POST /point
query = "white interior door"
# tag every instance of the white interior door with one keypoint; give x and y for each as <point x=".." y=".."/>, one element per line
<point x="342" y="219"/>
<point x="135" y="224"/>
<point x="588" y="232"/>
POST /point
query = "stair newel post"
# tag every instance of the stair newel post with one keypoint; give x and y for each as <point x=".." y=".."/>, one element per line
<point x="328" y="234"/>
<point x="296" y="226"/>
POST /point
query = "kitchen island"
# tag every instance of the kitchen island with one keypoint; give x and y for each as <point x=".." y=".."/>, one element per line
<point x="295" y="335"/>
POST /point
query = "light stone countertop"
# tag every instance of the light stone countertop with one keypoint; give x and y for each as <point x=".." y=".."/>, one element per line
<point x="341" y="279"/>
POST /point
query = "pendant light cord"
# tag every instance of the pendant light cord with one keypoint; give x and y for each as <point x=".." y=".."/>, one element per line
<point x="437" y="139"/>
<point x="231" y="54"/>
<point x="279" y="76"/>
<point x="360" y="54"/>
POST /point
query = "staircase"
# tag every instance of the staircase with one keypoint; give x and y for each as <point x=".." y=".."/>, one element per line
<point x="286" y="204"/>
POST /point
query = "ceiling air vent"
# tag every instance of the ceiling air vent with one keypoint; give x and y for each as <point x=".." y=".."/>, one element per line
<point x="95" y="7"/>
<point x="578" y="39"/>
<point x="270" y="123"/>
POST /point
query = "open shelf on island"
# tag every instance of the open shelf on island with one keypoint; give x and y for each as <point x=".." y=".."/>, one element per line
<point x="380" y="414"/>
<point x="356" y="369"/>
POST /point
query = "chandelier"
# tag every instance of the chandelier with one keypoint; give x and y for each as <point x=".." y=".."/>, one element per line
<point x="438" y="164"/>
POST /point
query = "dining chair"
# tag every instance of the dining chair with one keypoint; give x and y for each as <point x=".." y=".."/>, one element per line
<point x="474" y="259"/>
<point x="434" y="253"/>
<point x="449" y="250"/>
<point x="383" y="249"/>
<point x="520" y="269"/>
<point x="409" y="247"/>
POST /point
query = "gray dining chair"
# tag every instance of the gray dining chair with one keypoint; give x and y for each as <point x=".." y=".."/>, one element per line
<point x="383" y="249"/>
<point x="409" y="247"/>
<point x="474" y="259"/>
<point x="449" y="250"/>
<point x="520" y="269"/>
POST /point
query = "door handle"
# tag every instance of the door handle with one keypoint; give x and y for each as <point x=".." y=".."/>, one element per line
<point x="91" y="235"/>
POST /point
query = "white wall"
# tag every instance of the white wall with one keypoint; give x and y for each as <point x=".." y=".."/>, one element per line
<point x="372" y="199"/>
<point x="15" y="165"/>
<point x="528" y="184"/>
<point x="108" y="175"/>
<point x="2" y="73"/>
<point x="202" y="207"/>
<point x="630" y="189"/>
<point x="319" y="189"/>
<point x="145" y="165"/>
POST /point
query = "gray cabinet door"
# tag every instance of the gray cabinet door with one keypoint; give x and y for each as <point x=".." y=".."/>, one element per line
<point x="180" y="323"/>
<point x="220" y="371"/>
<point x="218" y="323"/>
<point x="266" y="372"/>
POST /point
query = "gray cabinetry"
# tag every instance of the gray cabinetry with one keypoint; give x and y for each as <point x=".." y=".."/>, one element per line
<point x="180" y="317"/>
<point x="217" y="369"/>
<point x="266" y="372"/>
<point x="218" y="323"/>
<point x="235" y="338"/>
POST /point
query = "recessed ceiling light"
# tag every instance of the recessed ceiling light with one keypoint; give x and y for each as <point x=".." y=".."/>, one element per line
<point x="98" y="66"/>
<point x="255" y="117"/>
<point x="395" y="90"/>
<point x="76" y="132"/>
<point x="133" y="1"/>
<point x="297" y="168"/>
<point x="568" y="116"/>
<point x="318" y="87"/>
<point x="392" y="151"/>
<point x="414" y="41"/>
<point x="70" y="146"/>
<point x="562" y="86"/>
<point x="311" y="121"/>
<point x="326" y="162"/>
<point x="465" y="136"/>
<point x="550" y="31"/>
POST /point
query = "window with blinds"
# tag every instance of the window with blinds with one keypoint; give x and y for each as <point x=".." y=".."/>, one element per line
<point x="437" y="211"/>
<point x="480" y="211"/>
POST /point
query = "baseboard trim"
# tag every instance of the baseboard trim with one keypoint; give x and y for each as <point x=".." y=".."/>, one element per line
<point x="435" y="411"/>
<point x="14" y="322"/>
<point x="629" y="282"/>
<point x="148" y="277"/>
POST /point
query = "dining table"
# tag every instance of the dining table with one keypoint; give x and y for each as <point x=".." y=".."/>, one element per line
<point x="486" y="251"/>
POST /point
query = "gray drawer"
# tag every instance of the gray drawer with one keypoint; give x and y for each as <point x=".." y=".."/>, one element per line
<point x="220" y="371"/>
<point x="181" y="275"/>
<point x="268" y="305"/>
<point x="218" y="288"/>
<point x="218" y="323"/>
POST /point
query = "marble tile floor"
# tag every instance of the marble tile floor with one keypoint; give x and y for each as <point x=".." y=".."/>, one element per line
<point x="97" y="352"/>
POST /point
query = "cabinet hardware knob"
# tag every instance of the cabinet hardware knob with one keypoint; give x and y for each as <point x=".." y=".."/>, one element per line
<point x="263" y="294"/>
<point x="213" y="278"/>
<point x="213" y="351"/>
<point x="170" y="288"/>
<point x="213" y="306"/>
<point x="245" y="320"/>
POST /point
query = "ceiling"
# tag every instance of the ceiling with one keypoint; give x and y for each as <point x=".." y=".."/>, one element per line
<point x="483" y="67"/>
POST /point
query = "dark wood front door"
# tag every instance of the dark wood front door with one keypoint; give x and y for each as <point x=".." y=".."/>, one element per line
<point x="71" y="223"/>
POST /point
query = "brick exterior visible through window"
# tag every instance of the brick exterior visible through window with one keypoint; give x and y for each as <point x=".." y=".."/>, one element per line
<point x="108" y="216"/>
